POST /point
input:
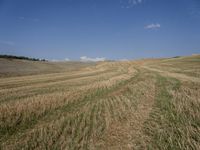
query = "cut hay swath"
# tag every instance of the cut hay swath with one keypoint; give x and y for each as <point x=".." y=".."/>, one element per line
<point x="145" y="104"/>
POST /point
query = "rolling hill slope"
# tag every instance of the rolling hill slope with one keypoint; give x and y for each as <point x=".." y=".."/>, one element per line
<point x="144" y="104"/>
<point x="19" y="67"/>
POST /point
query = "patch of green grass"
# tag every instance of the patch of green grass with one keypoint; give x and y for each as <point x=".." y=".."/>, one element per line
<point x="166" y="127"/>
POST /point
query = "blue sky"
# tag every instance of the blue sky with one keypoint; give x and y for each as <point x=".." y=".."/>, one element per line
<point x="114" y="29"/>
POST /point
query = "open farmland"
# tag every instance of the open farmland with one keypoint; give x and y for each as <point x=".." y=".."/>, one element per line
<point x="19" y="67"/>
<point x="143" y="104"/>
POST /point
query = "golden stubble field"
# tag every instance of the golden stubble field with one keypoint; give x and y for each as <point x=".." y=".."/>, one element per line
<point x="143" y="104"/>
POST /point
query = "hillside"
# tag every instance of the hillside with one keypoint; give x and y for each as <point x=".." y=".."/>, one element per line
<point x="19" y="67"/>
<point x="143" y="104"/>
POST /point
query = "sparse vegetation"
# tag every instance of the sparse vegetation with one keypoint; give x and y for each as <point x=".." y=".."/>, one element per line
<point x="147" y="104"/>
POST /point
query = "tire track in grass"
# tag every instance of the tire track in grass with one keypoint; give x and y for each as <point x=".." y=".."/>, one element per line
<point x="100" y="125"/>
<point x="157" y="125"/>
<point x="125" y="130"/>
<point x="167" y="127"/>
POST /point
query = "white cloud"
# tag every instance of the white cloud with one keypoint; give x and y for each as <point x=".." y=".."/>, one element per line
<point x="134" y="2"/>
<point x="86" y="59"/>
<point x="130" y="3"/>
<point x="60" y="60"/>
<point x="153" y="26"/>
<point x="7" y="42"/>
<point x="67" y="59"/>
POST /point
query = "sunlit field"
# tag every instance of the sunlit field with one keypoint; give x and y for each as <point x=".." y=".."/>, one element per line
<point x="142" y="104"/>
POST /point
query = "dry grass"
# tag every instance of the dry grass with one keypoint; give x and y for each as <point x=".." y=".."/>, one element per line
<point x="16" y="67"/>
<point x="112" y="105"/>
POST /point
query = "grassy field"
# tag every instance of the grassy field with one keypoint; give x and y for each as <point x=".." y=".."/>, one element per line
<point x="144" y="104"/>
<point x="19" y="67"/>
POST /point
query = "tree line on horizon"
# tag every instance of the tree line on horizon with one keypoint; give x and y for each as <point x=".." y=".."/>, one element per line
<point x="21" y="57"/>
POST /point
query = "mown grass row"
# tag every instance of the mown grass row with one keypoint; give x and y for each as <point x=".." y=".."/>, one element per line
<point x="27" y="119"/>
<point x="111" y="113"/>
<point x="52" y="79"/>
<point x="43" y="89"/>
<point x="175" y="120"/>
<point x="25" y="92"/>
<point x="82" y="122"/>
